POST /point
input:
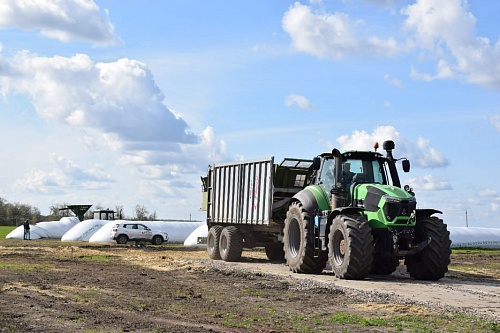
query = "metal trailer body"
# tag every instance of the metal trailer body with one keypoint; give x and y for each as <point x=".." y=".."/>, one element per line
<point x="253" y="196"/>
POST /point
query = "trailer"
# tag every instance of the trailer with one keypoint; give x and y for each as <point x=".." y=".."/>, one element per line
<point x="246" y="204"/>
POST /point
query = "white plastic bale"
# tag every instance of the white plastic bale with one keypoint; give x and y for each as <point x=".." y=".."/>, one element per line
<point x="200" y="232"/>
<point x="46" y="229"/>
<point x="83" y="230"/>
<point x="475" y="237"/>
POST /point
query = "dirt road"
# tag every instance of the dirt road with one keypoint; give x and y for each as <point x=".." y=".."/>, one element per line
<point x="481" y="296"/>
<point x="56" y="287"/>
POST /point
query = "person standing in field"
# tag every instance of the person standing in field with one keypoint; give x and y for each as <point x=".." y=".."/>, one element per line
<point x="26" y="225"/>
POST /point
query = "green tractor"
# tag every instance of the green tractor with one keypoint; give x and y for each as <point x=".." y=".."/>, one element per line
<point x="356" y="217"/>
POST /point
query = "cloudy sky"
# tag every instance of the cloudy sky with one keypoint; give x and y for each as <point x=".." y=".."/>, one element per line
<point x="127" y="102"/>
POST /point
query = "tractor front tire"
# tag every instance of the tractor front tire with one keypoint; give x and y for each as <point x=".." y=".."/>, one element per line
<point x="298" y="243"/>
<point x="213" y="239"/>
<point x="230" y="244"/>
<point x="432" y="262"/>
<point x="350" y="247"/>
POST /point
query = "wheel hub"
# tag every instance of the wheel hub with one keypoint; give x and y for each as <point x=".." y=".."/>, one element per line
<point x="342" y="247"/>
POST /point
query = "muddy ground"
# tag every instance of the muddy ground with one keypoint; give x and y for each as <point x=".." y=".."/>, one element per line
<point x="49" y="286"/>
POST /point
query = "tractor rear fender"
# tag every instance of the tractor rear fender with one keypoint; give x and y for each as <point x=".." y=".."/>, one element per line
<point x="308" y="201"/>
<point x="421" y="213"/>
<point x="312" y="199"/>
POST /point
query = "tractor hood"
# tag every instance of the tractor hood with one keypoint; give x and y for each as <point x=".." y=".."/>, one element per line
<point x="395" y="204"/>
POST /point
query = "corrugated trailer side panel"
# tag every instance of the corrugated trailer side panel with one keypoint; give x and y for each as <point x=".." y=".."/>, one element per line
<point x="241" y="192"/>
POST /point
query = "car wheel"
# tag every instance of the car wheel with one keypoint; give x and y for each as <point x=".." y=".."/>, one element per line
<point x="157" y="240"/>
<point x="122" y="239"/>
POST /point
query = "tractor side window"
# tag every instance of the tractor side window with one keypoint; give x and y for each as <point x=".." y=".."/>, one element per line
<point x="378" y="175"/>
<point x="350" y="170"/>
<point x="327" y="178"/>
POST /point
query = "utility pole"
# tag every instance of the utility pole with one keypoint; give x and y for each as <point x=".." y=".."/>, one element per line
<point x="466" y="219"/>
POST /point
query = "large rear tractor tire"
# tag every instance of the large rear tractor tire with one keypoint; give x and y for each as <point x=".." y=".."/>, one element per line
<point x="213" y="239"/>
<point x="230" y="244"/>
<point x="298" y="244"/>
<point x="350" y="247"/>
<point x="432" y="262"/>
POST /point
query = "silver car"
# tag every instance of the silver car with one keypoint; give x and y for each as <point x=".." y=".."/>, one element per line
<point x="138" y="232"/>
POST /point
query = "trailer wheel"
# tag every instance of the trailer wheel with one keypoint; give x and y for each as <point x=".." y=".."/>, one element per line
<point x="230" y="244"/>
<point x="213" y="239"/>
<point x="298" y="244"/>
<point x="350" y="247"/>
<point x="432" y="262"/>
<point x="274" y="252"/>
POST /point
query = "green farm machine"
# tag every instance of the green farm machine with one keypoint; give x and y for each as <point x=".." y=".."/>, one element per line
<point x="345" y="209"/>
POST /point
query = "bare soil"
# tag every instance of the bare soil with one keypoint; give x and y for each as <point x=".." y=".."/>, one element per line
<point x="49" y="286"/>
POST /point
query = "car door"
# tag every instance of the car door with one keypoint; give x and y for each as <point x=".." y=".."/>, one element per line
<point x="144" y="232"/>
<point x="132" y="231"/>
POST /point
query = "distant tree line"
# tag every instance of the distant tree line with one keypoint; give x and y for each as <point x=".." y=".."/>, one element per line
<point x="15" y="214"/>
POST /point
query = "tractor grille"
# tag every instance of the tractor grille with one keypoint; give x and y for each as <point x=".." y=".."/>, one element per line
<point x="395" y="207"/>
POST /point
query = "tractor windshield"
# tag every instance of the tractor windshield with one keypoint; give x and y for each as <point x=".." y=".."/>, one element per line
<point x="362" y="171"/>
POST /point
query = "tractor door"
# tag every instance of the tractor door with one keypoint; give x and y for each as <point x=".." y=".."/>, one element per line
<point x="326" y="178"/>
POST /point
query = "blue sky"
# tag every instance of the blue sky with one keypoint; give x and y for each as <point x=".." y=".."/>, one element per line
<point x="127" y="102"/>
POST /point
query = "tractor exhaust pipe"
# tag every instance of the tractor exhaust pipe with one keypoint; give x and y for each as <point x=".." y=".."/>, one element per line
<point x="388" y="147"/>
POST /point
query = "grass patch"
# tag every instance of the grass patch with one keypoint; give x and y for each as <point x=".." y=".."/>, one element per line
<point x="24" y="267"/>
<point x="419" y="323"/>
<point x="5" y="230"/>
<point x="97" y="258"/>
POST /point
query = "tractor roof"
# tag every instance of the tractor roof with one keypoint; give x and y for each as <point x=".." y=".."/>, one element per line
<point x="356" y="154"/>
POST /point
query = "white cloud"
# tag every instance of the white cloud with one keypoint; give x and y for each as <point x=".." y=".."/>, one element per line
<point x="299" y="101"/>
<point x="115" y="105"/>
<point x="393" y="81"/>
<point x="42" y="182"/>
<point x="495" y="205"/>
<point x="429" y="157"/>
<point x="331" y="35"/>
<point x="447" y="28"/>
<point x="495" y="121"/>
<point x="420" y="154"/>
<point x="66" y="175"/>
<point x="65" y="20"/>
<point x="118" y="97"/>
<point x="428" y="183"/>
<point x="487" y="192"/>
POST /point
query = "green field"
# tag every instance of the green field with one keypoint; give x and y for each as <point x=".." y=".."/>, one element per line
<point x="4" y="231"/>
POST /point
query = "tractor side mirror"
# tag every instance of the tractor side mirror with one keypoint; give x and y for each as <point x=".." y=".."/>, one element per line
<point x="315" y="164"/>
<point x="406" y="165"/>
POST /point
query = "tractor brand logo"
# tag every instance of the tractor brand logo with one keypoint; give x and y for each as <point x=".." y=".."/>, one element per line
<point x="404" y="212"/>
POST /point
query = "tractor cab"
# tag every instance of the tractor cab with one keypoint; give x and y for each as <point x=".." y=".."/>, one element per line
<point x="339" y="174"/>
